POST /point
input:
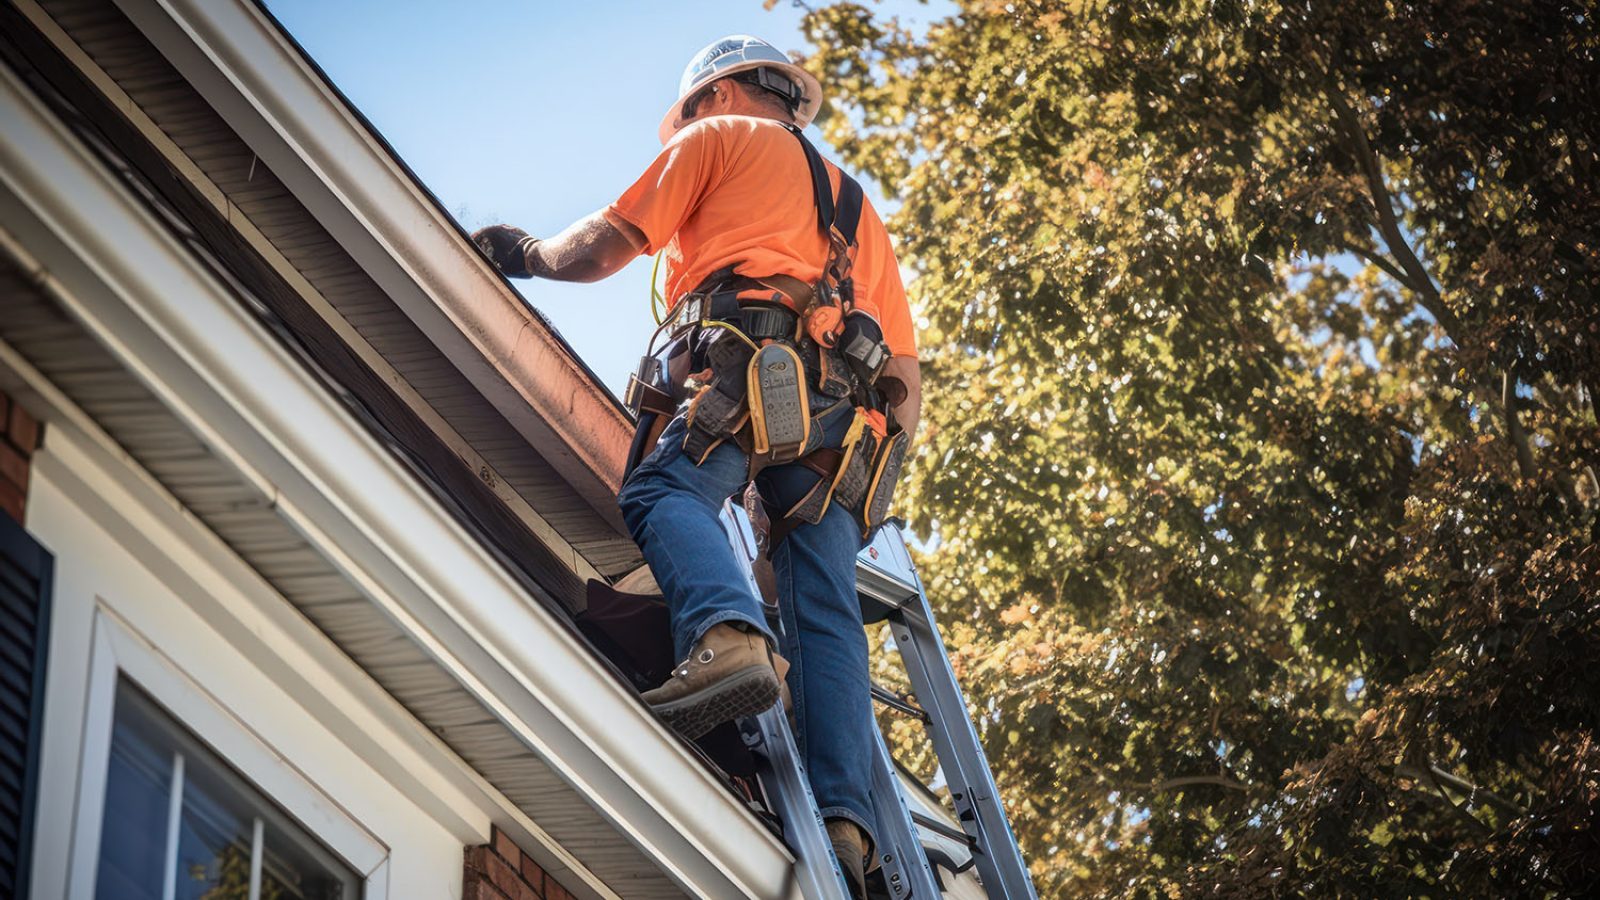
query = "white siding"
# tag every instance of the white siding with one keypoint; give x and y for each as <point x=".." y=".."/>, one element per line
<point x="275" y="737"/>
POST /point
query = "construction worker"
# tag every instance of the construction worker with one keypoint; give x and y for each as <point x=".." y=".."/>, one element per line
<point x="733" y="202"/>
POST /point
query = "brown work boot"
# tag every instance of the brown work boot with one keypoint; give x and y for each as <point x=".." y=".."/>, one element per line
<point x="729" y="674"/>
<point x="850" y="846"/>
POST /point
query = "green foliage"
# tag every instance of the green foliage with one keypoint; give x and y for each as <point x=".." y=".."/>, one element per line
<point x="1260" y="445"/>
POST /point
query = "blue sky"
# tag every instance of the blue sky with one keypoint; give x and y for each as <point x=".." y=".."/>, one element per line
<point x="535" y="113"/>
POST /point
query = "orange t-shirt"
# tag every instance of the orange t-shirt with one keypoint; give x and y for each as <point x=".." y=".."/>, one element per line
<point x="736" y="190"/>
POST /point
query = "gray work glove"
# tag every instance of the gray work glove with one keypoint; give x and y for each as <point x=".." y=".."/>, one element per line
<point x="863" y="347"/>
<point x="507" y="247"/>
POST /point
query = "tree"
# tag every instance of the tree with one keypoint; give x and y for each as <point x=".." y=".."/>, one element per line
<point x="1259" y="464"/>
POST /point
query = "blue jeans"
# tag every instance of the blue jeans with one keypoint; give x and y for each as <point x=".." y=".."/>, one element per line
<point x="671" y="506"/>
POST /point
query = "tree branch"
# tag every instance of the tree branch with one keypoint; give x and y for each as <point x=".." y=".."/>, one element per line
<point x="1514" y="429"/>
<point x="1429" y="776"/>
<point x="1188" y="780"/>
<point x="1388" y="266"/>
<point x="1434" y="774"/>
<point x="1388" y="224"/>
<point x="1418" y="279"/>
<point x="1474" y="792"/>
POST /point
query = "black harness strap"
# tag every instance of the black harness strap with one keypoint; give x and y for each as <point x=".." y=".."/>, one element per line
<point x="848" y="214"/>
<point x="820" y="186"/>
<point x="843" y="215"/>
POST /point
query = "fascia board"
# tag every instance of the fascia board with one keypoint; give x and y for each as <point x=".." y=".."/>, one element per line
<point x="168" y="320"/>
<point x="260" y="83"/>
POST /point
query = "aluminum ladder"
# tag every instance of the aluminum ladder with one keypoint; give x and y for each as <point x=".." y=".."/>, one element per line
<point x="890" y="589"/>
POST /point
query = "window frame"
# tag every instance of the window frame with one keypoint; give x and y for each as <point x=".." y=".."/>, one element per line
<point x="118" y="651"/>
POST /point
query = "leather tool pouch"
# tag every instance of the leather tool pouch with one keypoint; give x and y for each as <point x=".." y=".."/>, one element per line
<point x="831" y="375"/>
<point x="713" y="417"/>
<point x="850" y="486"/>
<point x="832" y="468"/>
<point x="720" y="409"/>
<point x="811" y="507"/>
<point x="780" y="413"/>
<point x="883" y="472"/>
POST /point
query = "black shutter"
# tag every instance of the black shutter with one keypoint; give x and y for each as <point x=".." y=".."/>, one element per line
<point x="25" y="569"/>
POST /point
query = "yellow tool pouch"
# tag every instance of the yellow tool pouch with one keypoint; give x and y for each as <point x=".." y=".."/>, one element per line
<point x="780" y="411"/>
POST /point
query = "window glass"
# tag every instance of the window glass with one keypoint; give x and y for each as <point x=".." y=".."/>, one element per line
<point x="215" y="839"/>
<point x="134" y="830"/>
<point x="232" y="842"/>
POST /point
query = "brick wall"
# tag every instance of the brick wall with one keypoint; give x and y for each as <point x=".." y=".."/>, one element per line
<point x="19" y="437"/>
<point x="499" y="870"/>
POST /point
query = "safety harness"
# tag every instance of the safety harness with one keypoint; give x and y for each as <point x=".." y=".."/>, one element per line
<point x="764" y="372"/>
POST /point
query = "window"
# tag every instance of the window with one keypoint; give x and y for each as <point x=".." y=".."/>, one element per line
<point x="180" y="824"/>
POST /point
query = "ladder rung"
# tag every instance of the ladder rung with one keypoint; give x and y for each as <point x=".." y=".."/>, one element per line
<point x="898" y="702"/>
<point x="944" y="829"/>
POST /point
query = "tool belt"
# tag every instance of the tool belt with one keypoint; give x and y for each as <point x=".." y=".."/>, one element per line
<point x="758" y="381"/>
<point x="771" y="405"/>
<point x="765" y="367"/>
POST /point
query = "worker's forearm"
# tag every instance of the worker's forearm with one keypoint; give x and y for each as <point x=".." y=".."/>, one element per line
<point x="591" y="249"/>
<point x="909" y="411"/>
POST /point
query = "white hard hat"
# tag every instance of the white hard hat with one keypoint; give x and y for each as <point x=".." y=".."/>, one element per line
<point x="741" y="53"/>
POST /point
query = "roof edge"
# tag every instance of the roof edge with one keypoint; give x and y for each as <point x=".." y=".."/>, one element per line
<point x="260" y="80"/>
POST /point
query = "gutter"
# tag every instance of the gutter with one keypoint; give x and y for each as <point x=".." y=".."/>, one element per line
<point x="263" y="85"/>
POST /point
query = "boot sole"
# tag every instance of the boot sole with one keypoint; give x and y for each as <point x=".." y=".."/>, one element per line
<point x="744" y="693"/>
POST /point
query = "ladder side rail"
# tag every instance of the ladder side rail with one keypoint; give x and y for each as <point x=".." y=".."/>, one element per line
<point x="778" y="763"/>
<point x="783" y="777"/>
<point x="906" y="872"/>
<point x="955" y="740"/>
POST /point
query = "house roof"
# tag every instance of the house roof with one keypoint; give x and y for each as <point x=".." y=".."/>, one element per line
<point x="371" y="419"/>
